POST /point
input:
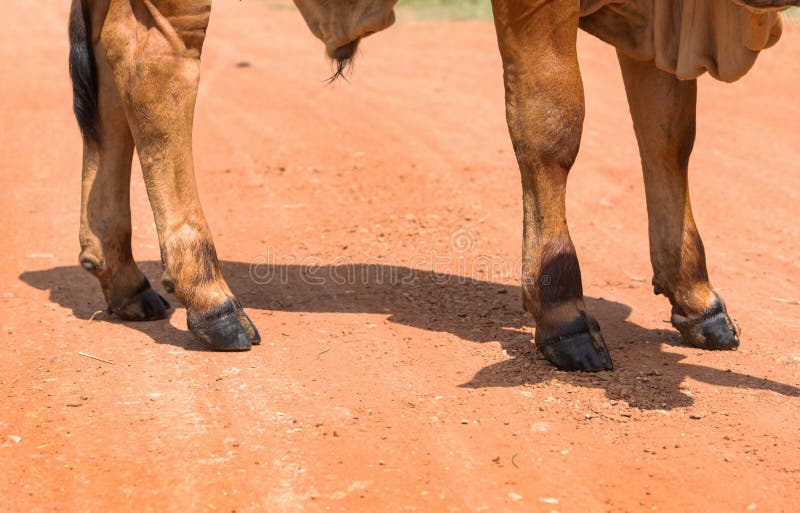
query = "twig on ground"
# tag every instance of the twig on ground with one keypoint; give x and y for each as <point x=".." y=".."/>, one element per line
<point x="87" y="355"/>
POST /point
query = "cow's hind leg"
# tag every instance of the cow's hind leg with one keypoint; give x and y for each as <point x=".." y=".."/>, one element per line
<point x="105" y="232"/>
<point x="155" y="60"/>
<point x="663" y="110"/>
<point x="545" y="109"/>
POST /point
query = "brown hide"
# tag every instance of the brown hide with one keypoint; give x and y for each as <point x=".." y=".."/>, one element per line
<point x="136" y="69"/>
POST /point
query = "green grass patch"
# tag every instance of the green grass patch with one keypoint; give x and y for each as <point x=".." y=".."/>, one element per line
<point x="457" y="10"/>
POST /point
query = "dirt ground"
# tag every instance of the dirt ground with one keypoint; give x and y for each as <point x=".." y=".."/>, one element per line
<point x="372" y="230"/>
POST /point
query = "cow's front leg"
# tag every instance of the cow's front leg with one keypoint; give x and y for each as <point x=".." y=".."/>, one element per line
<point x="545" y="108"/>
<point x="663" y="110"/>
<point x="156" y="67"/>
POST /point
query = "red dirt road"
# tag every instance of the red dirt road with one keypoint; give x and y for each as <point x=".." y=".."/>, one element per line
<point x="372" y="393"/>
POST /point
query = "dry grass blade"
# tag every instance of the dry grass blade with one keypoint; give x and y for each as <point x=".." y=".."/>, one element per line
<point x="785" y="301"/>
<point x="87" y="355"/>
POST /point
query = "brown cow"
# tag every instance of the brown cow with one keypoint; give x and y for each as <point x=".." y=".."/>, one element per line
<point x="135" y="69"/>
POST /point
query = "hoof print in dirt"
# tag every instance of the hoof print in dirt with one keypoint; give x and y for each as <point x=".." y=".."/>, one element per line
<point x="145" y="305"/>
<point x="712" y="330"/>
<point x="575" y="350"/>
<point x="222" y="329"/>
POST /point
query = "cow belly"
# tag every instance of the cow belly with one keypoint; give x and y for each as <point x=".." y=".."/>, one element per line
<point x="685" y="38"/>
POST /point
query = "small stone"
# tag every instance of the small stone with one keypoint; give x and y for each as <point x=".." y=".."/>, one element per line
<point x="14" y="438"/>
<point x="540" y="427"/>
<point x="694" y="416"/>
<point x="464" y="421"/>
<point x="514" y="496"/>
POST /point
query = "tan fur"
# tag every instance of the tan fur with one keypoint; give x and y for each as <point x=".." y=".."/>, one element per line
<point x="148" y="65"/>
<point x="148" y="68"/>
<point x="149" y="51"/>
<point x="663" y="111"/>
<point x="544" y="106"/>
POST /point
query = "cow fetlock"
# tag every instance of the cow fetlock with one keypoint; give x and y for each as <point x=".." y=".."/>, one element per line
<point x="191" y="272"/>
<point x="566" y="334"/>
<point x="698" y="312"/>
<point x="701" y="317"/>
<point x="571" y="339"/>
<point x="680" y="274"/>
<point x="223" y="326"/>
<point x="127" y="292"/>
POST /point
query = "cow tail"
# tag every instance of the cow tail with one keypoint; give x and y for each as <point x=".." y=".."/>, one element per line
<point x="83" y="71"/>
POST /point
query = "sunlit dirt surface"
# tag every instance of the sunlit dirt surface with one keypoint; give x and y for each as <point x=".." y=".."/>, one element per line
<point x="379" y="388"/>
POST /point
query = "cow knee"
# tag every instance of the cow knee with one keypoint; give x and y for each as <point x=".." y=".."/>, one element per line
<point x="546" y="131"/>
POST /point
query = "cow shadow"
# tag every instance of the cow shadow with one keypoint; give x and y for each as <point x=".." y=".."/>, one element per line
<point x="648" y="376"/>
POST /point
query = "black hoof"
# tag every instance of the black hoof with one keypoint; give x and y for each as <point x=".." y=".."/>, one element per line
<point x="578" y="347"/>
<point x="252" y="333"/>
<point x="221" y="329"/>
<point x="145" y="305"/>
<point x="712" y="330"/>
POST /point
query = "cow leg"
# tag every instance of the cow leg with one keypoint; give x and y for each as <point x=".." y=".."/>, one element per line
<point x="663" y="111"/>
<point x="105" y="231"/>
<point x="156" y="68"/>
<point x="544" y="110"/>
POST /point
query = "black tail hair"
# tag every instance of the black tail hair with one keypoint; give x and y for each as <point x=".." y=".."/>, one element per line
<point x="83" y="71"/>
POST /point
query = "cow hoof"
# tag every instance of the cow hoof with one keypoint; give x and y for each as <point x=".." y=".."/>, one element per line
<point x="221" y="329"/>
<point x="581" y="349"/>
<point x="252" y="333"/>
<point x="712" y="330"/>
<point x="144" y="305"/>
